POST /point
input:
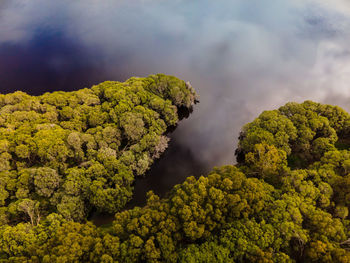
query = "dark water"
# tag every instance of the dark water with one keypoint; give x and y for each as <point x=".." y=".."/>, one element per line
<point x="241" y="56"/>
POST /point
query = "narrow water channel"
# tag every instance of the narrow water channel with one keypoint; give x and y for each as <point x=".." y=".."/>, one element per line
<point x="177" y="163"/>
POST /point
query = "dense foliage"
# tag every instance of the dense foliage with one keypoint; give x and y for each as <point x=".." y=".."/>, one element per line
<point x="70" y="152"/>
<point x="286" y="200"/>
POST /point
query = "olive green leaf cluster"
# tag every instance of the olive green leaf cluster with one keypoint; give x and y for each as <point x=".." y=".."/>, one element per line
<point x="71" y="152"/>
<point x="287" y="200"/>
<point x="193" y="212"/>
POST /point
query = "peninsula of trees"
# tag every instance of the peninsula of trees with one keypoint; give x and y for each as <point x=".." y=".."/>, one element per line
<point x="286" y="200"/>
<point x="71" y="152"/>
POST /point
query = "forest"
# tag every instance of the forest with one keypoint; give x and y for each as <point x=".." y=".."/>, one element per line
<point x="67" y="154"/>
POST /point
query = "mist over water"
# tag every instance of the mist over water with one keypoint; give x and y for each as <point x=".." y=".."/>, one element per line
<point x="241" y="56"/>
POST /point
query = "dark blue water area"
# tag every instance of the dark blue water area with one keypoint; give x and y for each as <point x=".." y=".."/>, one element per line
<point x="49" y="62"/>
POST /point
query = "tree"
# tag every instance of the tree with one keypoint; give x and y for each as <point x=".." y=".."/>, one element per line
<point x="46" y="180"/>
<point x="31" y="208"/>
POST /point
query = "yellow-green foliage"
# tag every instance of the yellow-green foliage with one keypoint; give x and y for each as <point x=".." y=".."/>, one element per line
<point x="74" y="151"/>
<point x="287" y="200"/>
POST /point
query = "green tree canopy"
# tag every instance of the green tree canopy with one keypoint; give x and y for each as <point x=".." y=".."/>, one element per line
<point x="71" y="152"/>
<point x="286" y="200"/>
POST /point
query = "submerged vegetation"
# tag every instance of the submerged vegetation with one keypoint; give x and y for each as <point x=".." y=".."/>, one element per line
<point x="63" y="154"/>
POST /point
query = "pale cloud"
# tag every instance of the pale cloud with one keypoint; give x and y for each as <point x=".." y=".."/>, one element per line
<point x="342" y="6"/>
